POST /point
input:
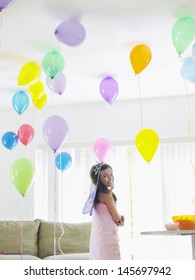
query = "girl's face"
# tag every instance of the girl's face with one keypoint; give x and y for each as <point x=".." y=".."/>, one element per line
<point x="107" y="177"/>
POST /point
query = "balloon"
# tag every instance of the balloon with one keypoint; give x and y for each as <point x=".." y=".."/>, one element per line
<point x="6" y="3"/>
<point x="53" y="64"/>
<point x="36" y="90"/>
<point x="183" y="33"/>
<point x="10" y="140"/>
<point x="70" y="32"/>
<point x="63" y="161"/>
<point x="40" y="103"/>
<point x="25" y="133"/>
<point x="109" y="89"/>
<point x="193" y="51"/>
<point x="101" y="148"/>
<point x="30" y="72"/>
<point x="55" y="129"/>
<point x="188" y="70"/>
<point x="22" y="172"/>
<point x="140" y="57"/>
<point x="57" y="84"/>
<point x="20" y="101"/>
<point x="147" y="141"/>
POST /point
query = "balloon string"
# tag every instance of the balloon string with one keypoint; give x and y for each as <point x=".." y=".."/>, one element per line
<point x="55" y="209"/>
<point x="131" y="196"/>
<point x="1" y="24"/>
<point x="140" y="101"/>
<point x="189" y="127"/>
<point x="21" y="228"/>
<point x="189" y="133"/>
<point x="59" y="246"/>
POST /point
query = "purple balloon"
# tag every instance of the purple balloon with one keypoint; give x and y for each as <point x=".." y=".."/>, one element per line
<point x="6" y="3"/>
<point x="57" y="84"/>
<point x="109" y="89"/>
<point x="55" y="129"/>
<point x="70" y="32"/>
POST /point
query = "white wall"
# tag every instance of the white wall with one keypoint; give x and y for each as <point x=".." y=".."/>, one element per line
<point x="169" y="117"/>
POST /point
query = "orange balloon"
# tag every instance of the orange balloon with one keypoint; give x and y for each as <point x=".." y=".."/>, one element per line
<point x="140" y="57"/>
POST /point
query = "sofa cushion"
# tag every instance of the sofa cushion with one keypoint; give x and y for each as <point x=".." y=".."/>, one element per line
<point x="69" y="238"/>
<point x="19" y="237"/>
<point x="74" y="256"/>
<point x="18" y="257"/>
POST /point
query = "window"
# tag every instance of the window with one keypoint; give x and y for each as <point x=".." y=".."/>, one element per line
<point x="148" y="194"/>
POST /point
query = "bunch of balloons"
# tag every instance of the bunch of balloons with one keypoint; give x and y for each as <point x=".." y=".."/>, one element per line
<point x="29" y="75"/>
<point x="25" y="135"/>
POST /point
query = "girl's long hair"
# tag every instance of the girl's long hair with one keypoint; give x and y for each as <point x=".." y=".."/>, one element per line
<point x="95" y="178"/>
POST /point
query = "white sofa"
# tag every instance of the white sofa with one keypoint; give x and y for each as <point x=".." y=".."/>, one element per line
<point x="32" y="240"/>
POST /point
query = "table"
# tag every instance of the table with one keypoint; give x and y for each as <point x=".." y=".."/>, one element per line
<point x="175" y="232"/>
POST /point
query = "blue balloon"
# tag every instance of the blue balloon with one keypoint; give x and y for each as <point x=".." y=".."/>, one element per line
<point x="63" y="161"/>
<point x="10" y="140"/>
<point x="188" y="70"/>
<point x="20" y="101"/>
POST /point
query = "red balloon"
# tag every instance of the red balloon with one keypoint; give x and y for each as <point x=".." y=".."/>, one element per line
<point x="25" y="133"/>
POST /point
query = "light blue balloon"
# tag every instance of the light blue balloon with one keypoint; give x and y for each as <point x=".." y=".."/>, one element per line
<point x="63" y="161"/>
<point x="20" y="101"/>
<point x="193" y="51"/>
<point x="188" y="70"/>
<point x="9" y="140"/>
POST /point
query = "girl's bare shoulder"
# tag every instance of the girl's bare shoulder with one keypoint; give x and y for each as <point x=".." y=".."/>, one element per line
<point x="105" y="197"/>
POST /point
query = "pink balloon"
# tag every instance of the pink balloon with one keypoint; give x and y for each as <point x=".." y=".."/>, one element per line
<point x="57" y="84"/>
<point x="109" y="89"/>
<point x="55" y="129"/>
<point x="101" y="148"/>
<point x="6" y="3"/>
<point x="25" y="133"/>
<point x="70" y="32"/>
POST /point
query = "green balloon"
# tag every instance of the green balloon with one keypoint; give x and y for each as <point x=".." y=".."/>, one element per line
<point x="183" y="33"/>
<point x="22" y="172"/>
<point x="53" y="64"/>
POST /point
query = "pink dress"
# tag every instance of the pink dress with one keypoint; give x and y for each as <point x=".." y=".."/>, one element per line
<point x="104" y="240"/>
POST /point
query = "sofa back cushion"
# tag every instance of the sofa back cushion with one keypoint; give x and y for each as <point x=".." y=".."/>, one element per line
<point x="68" y="238"/>
<point x="19" y="237"/>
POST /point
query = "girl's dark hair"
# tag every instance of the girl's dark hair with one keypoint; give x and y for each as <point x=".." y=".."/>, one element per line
<point x="95" y="178"/>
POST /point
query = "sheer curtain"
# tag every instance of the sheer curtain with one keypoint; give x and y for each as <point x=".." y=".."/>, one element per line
<point x="148" y="194"/>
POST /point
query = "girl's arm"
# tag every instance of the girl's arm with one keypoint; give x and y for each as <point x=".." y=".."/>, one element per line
<point x="108" y="200"/>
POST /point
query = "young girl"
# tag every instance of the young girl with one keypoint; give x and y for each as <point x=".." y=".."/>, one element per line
<point x="104" y="240"/>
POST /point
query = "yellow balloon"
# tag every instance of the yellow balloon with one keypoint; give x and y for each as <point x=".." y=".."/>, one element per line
<point x="28" y="73"/>
<point x="40" y="103"/>
<point x="36" y="90"/>
<point x="140" y="57"/>
<point x="147" y="141"/>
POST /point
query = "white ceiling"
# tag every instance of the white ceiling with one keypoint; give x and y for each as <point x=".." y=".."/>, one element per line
<point x="113" y="28"/>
